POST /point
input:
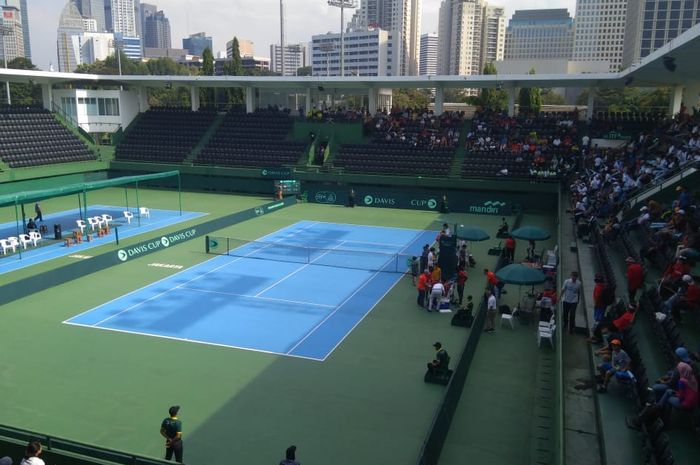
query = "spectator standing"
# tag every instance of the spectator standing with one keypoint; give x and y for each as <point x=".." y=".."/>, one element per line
<point x="171" y="430"/>
<point x="635" y="277"/>
<point x="424" y="258"/>
<point x="491" y="311"/>
<point x="598" y="301"/>
<point x="494" y="282"/>
<point x="422" y="287"/>
<point x="37" y="210"/>
<point x="570" y="292"/>
<point x="510" y="249"/>
<point x="32" y="453"/>
<point x="461" y="281"/>
<point x="290" y="456"/>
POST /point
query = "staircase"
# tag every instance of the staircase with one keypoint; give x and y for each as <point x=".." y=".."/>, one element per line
<point x="205" y="139"/>
<point x="460" y="152"/>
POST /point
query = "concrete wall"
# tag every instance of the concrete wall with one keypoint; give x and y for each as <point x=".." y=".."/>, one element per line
<point x="128" y="108"/>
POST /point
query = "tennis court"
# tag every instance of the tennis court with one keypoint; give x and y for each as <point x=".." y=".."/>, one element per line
<point x="298" y="291"/>
<point x="67" y="219"/>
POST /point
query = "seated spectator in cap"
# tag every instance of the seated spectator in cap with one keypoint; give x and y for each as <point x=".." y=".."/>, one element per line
<point x="290" y="456"/>
<point x="32" y="453"/>
<point x="670" y="379"/>
<point x="31" y="225"/>
<point x="618" y="366"/>
<point x="686" y="297"/>
<point x="440" y="365"/>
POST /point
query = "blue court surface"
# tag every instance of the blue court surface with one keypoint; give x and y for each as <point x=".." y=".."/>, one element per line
<point x="298" y="291"/>
<point x="50" y="249"/>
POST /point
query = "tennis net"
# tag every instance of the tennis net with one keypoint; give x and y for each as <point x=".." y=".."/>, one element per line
<point x="342" y="256"/>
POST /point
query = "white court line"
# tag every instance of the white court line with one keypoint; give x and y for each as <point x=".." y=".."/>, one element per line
<point x="160" y="294"/>
<point x="169" y="277"/>
<point x="370" y="226"/>
<point x="195" y="341"/>
<point x="311" y="262"/>
<point x="232" y="294"/>
<point x="347" y="333"/>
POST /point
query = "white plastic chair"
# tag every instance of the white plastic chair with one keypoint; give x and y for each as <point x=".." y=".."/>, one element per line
<point x="7" y="245"/>
<point x="508" y="317"/>
<point x="107" y="219"/>
<point x="35" y="236"/>
<point x="81" y="224"/>
<point x="128" y="216"/>
<point x="144" y="212"/>
<point x="24" y="239"/>
<point x="93" y="222"/>
<point x="13" y="240"/>
<point x="100" y="221"/>
<point x="546" y="332"/>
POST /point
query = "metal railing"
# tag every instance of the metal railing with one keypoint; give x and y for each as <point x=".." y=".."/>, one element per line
<point x="669" y="179"/>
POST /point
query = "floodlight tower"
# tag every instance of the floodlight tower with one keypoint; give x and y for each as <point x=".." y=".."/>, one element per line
<point x="281" y="35"/>
<point x="342" y="4"/>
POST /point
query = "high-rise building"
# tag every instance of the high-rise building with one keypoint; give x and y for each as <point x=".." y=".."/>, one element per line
<point x="428" y="54"/>
<point x="68" y="43"/>
<point x="540" y="35"/>
<point x="653" y="23"/>
<point x="599" y="31"/>
<point x="12" y="38"/>
<point x="156" y="31"/>
<point x="196" y="43"/>
<point x="130" y="46"/>
<point x="96" y="46"/>
<point x="21" y="5"/>
<point x="89" y="24"/>
<point x="295" y="57"/>
<point x="367" y="53"/>
<point x="400" y="17"/>
<point x="94" y="9"/>
<point x="245" y="47"/>
<point x="145" y="10"/>
<point x="471" y="33"/>
<point x="124" y="17"/>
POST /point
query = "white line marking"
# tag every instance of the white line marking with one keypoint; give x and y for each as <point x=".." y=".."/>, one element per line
<point x="311" y="262"/>
<point x="161" y="280"/>
<point x="369" y="226"/>
<point x="174" y="338"/>
<point x="232" y="294"/>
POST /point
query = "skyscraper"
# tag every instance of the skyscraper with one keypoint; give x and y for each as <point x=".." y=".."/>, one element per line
<point x="540" y="35"/>
<point x="599" y="31"/>
<point x="653" y="23"/>
<point x="471" y="32"/>
<point x="295" y="57"/>
<point x="12" y="38"/>
<point x="245" y="47"/>
<point x="402" y="18"/>
<point x="94" y="9"/>
<point x="21" y="5"/>
<point x="196" y="43"/>
<point x="124" y="17"/>
<point x="70" y="31"/>
<point x="428" y="54"/>
<point x="156" y="31"/>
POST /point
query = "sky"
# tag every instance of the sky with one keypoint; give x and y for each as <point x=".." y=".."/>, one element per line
<point x="256" y="20"/>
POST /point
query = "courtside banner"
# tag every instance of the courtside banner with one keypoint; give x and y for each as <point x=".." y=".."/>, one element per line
<point x="42" y="281"/>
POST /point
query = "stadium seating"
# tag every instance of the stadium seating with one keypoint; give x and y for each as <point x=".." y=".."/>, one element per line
<point x="164" y="134"/>
<point x="253" y="139"/>
<point x="31" y="136"/>
<point x="395" y="158"/>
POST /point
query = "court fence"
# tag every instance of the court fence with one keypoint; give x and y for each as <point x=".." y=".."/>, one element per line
<point x="376" y="261"/>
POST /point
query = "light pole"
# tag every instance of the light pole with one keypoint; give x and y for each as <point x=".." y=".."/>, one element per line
<point x="6" y="31"/>
<point x="342" y="4"/>
<point x="282" y="35"/>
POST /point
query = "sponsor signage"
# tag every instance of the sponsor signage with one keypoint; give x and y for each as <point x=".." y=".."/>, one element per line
<point x="463" y="202"/>
<point x="155" y="245"/>
<point x="276" y="173"/>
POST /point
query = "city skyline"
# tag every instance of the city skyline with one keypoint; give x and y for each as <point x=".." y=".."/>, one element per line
<point x="246" y="19"/>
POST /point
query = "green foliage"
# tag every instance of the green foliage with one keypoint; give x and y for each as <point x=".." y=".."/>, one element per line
<point x="552" y="98"/>
<point x="492" y="99"/>
<point x="529" y="98"/>
<point x="206" y="95"/>
<point x="410" y="98"/>
<point x="111" y="66"/>
<point x="166" y="67"/>
<point x="233" y="67"/>
<point x="24" y="94"/>
<point x="304" y="71"/>
<point x="629" y="99"/>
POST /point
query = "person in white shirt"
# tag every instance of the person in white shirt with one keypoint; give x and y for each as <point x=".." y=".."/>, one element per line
<point x="431" y="258"/>
<point x="31" y="456"/>
<point x="570" y="292"/>
<point x="436" y="293"/>
<point x="491" y="311"/>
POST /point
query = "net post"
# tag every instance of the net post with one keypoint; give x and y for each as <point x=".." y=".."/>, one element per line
<point x="228" y="246"/>
<point x="206" y="244"/>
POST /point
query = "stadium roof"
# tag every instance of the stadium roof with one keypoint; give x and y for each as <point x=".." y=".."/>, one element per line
<point x="675" y="63"/>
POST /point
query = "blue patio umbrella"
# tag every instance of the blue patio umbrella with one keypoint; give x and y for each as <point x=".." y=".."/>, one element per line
<point x="472" y="233"/>
<point x="531" y="233"/>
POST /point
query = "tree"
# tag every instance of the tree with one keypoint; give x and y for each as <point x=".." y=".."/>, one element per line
<point x="24" y="94"/>
<point x="234" y="67"/>
<point x="529" y="99"/>
<point x="629" y="99"/>
<point x="410" y="98"/>
<point x="551" y="98"/>
<point x="206" y="95"/>
<point x="111" y="66"/>
<point x="492" y="99"/>
<point x="304" y="71"/>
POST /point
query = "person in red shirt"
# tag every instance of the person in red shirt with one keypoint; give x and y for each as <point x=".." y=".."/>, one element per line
<point x="422" y="286"/>
<point x="618" y="325"/>
<point x="598" y="305"/>
<point x="691" y="299"/>
<point x="510" y="249"/>
<point x="461" y="281"/>
<point x="635" y="277"/>
<point x="493" y="282"/>
<point x="676" y="271"/>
